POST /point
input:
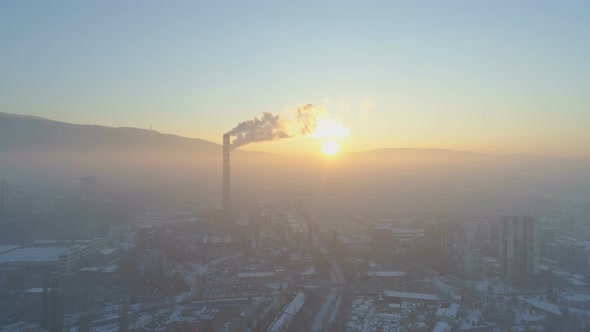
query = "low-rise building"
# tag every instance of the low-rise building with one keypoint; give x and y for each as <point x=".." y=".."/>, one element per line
<point x="399" y="297"/>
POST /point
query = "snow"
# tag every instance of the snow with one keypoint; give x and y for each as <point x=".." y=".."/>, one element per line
<point x="362" y="311"/>
<point x="441" y="327"/>
<point x="372" y="265"/>
<point x="33" y="254"/>
<point x="527" y="316"/>
<point x="576" y="282"/>
<point x="295" y="305"/>
<point x="473" y="315"/>
<point x="448" y="312"/>
<point x="443" y="287"/>
<point x="335" y="310"/>
<point x="256" y="274"/>
<point x="200" y="269"/>
<point x="141" y="320"/>
<point x="392" y="274"/>
<point x="8" y="248"/>
<point x="290" y="311"/>
<point x="318" y="320"/>
<point x="542" y="305"/>
<point x="414" y="296"/>
<point x="108" y="251"/>
<point x="366" y="326"/>
<point x="576" y="298"/>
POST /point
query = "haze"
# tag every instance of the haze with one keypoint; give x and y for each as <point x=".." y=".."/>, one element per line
<point x="286" y="166"/>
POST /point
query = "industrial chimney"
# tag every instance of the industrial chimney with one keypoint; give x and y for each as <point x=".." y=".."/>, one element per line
<point x="226" y="179"/>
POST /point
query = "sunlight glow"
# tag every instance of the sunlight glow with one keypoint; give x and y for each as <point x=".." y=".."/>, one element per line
<point x="327" y="127"/>
<point x="332" y="132"/>
<point x="330" y="147"/>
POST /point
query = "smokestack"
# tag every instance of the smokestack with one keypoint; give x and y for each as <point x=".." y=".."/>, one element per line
<point x="226" y="178"/>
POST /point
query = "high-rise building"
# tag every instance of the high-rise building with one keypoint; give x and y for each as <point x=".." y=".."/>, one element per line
<point x="519" y="250"/>
<point x="13" y="203"/>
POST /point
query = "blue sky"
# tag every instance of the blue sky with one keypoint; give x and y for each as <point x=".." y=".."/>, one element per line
<point x="490" y="76"/>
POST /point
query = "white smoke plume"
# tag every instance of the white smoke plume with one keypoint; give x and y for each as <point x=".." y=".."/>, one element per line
<point x="274" y="127"/>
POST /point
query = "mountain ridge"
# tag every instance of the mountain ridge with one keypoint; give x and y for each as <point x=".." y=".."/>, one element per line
<point x="123" y="132"/>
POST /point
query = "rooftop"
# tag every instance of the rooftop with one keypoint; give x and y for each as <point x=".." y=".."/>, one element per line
<point x="108" y="251"/>
<point x="415" y="296"/>
<point x="256" y="274"/>
<point x="8" y="248"/>
<point x="391" y="274"/>
<point x="49" y="254"/>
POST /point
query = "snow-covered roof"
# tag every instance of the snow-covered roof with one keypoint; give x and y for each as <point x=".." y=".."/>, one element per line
<point x="282" y="323"/>
<point x="396" y="274"/>
<point x="448" y="312"/>
<point x="266" y="274"/>
<point x="414" y="296"/>
<point x="22" y="326"/>
<point x="108" y="251"/>
<point x="489" y="260"/>
<point x="544" y="306"/>
<point x="295" y="305"/>
<point x="48" y="254"/>
<point x="576" y="282"/>
<point x="441" y="327"/>
<point x="310" y="271"/>
<point x="386" y="317"/>
<point x="216" y="239"/>
<point x="8" y="248"/>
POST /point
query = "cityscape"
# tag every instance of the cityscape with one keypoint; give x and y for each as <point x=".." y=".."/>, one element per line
<point x="152" y="178"/>
<point x="95" y="258"/>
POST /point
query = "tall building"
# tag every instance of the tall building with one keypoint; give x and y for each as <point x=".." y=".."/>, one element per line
<point x="13" y="204"/>
<point x="519" y="250"/>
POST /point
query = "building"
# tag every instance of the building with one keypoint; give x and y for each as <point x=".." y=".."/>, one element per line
<point x="13" y="204"/>
<point x="32" y="256"/>
<point x="519" y="250"/>
<point x="22" y="326"/>
<point x="568" y="252"/>
<point x="283" y="321"/>
<point x="72" y="259"/>
<point x="467" y="260"/>
<point x="65" y="256"/>
<point x="399" y="297"/>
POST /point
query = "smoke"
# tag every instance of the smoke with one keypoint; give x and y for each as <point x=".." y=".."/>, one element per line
<point x="269" y="127"/>
<point x="274" y="127"/>
<point x="307" y="116"/>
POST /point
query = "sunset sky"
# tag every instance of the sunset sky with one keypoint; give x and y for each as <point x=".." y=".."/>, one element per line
<point x="485" y="76"/>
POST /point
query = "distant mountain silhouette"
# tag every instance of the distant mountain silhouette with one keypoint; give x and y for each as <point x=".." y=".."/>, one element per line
<point x="34" y="150"/>
<point x="18" y="132"/>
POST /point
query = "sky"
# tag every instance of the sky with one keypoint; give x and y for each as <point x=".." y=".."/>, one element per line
<point x="486" y="76"/>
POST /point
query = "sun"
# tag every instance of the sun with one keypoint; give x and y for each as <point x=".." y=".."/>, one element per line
<point x="330" y="131"/>
<point x="330" y="147"/>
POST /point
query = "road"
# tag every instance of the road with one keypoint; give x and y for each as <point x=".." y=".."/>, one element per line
<point x="331" y="304"/>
